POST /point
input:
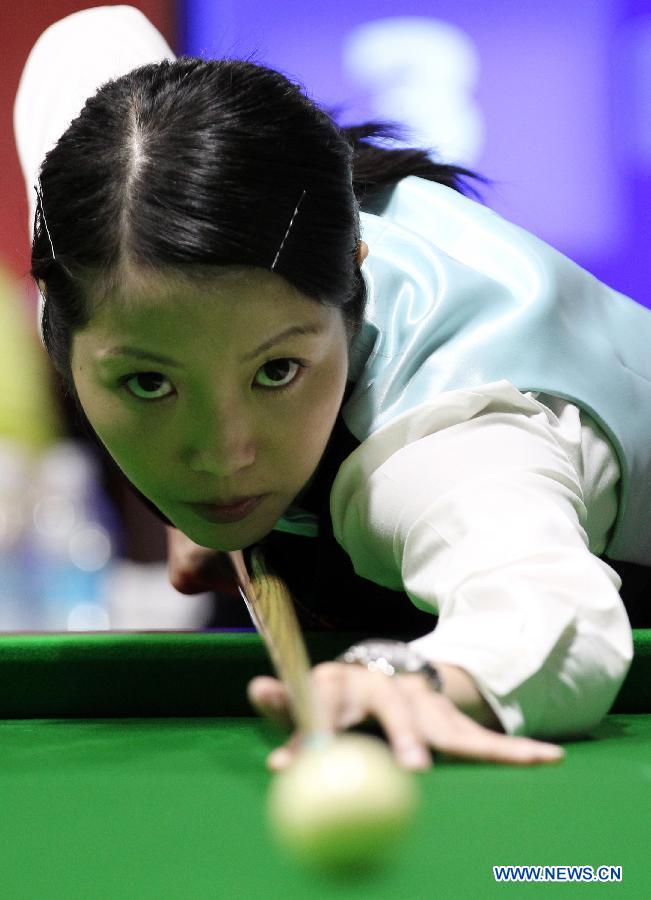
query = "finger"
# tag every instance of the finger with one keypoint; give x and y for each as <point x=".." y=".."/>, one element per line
<point x="341" y="695"/>
<point x="269" y="698"/>
<point x="505" y="749"/>
<point x="348" y="695"/>
<point x="282" y="756"/>
<point x="452" y="732"/>
<point x="335" y="702"/>
<point x="392" y="706"/>
<point x="329" y="693"/>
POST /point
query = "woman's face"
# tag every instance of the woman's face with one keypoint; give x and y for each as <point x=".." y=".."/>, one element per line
<point x="216" y="398"/>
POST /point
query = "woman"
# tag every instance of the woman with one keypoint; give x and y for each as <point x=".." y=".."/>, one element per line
<point x="459" y="416"/>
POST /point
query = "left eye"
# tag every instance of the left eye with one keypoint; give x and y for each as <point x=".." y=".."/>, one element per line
<point x="277" y="373"/>
<point x="148" y="386"/>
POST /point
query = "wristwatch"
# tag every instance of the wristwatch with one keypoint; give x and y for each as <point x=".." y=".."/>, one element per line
<point x="391" y="658"/>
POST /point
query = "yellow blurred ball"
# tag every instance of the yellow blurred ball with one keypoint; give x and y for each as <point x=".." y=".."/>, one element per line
<point x="341" y="803"/>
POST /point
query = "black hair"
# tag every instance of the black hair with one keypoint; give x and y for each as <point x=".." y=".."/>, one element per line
<point x="378" y="164"/>
<point x="188" y="164"/>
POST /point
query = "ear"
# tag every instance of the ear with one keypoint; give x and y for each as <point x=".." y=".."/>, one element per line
<point x="362" y="252"/>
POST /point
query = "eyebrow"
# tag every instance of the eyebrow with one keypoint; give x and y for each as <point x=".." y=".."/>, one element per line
<point x="307" y="329"/>
<point x="135" y="353"/>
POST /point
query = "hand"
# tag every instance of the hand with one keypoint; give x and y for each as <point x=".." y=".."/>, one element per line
<point x="194" y="569"/>
<point x="415" y="718"/>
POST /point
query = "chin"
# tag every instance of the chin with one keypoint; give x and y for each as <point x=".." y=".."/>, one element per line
<point x="224" y="538"/>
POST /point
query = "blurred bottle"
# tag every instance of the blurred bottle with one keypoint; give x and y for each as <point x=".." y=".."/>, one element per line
<point x="15" y="608"/>
<point x="28" y="424"/>
<point x="71" y="543"/>
<point x="28" y="413"/>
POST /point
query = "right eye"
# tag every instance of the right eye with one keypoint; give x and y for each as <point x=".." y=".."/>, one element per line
<point x="148" y="385"/>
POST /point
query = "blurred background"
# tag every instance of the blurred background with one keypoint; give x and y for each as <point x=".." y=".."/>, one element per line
<point x="549" y="101"/>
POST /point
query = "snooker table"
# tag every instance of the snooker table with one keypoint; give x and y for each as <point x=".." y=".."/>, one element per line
<point x="132" y="767"/>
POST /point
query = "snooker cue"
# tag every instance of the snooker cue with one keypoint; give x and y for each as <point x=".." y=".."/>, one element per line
<point x="271" y="608"/>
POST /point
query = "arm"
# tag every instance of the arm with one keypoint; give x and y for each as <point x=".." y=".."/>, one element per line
<point x="476" y="506"/>
<point x="495" y="540"/>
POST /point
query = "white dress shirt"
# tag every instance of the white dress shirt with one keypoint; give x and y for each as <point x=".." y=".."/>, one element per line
<point x="487" y="507"/>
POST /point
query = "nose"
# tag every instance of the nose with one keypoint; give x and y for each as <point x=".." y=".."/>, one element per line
<point x="222" y="444"/>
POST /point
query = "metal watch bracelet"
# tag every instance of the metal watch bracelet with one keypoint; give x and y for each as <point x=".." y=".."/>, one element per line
<point x="391" y="658"/>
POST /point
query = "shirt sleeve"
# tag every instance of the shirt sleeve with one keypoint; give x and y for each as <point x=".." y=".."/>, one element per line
<point x="476" y="506"/>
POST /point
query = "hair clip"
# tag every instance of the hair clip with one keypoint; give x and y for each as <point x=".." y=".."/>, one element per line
<point x="39" y="195"/>
<point x="289" y="228"/>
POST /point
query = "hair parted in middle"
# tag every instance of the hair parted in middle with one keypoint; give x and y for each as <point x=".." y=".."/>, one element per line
<point x="184" y="165"/>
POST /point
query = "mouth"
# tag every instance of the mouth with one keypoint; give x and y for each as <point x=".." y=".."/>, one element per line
<point x="224" y="513"/>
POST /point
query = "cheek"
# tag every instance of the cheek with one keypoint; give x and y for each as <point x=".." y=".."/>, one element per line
<point x="105" y="413"/>
<point x="319" y="408"/>
<point x="127" y="452"/>
<point x="98" y="412"/>
<point x="107" y="420"/>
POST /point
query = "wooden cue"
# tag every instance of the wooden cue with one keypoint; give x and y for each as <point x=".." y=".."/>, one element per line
<point x="272" y="609"/>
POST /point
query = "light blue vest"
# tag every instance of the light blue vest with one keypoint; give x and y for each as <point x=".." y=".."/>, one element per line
<point x="458" y="297"/>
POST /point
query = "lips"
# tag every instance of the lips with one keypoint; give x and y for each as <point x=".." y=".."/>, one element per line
<point x="224" y="513"/>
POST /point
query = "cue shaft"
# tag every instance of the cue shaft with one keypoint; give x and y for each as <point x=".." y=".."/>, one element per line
<point x="272" y="609"/>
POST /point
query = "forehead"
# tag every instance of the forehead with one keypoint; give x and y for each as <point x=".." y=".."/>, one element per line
<point x="228" y="307"/>
<point x="229" y="296"/>
<point x="131" y="286"/>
